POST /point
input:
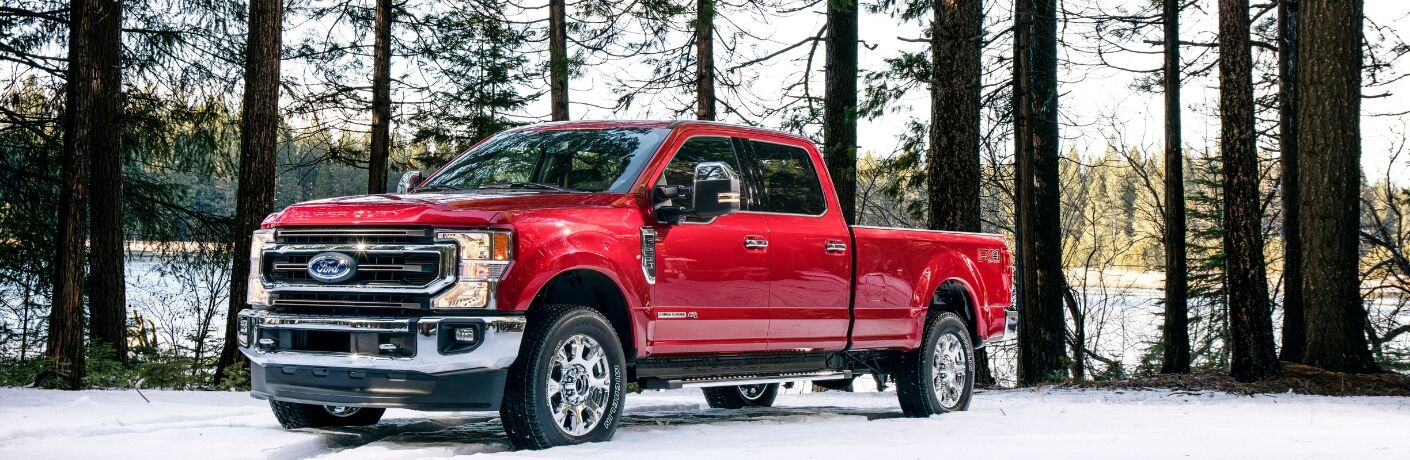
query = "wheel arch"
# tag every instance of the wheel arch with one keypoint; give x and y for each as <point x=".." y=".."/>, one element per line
<point x="594" y="289"/>
<point x="956" y="296"/>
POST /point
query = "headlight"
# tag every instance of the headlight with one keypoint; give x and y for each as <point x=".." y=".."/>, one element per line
<point x="481" y="260"/>
<point x="255" y="292"/>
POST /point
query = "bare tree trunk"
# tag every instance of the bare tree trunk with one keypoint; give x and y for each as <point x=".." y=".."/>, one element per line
<point x="953" y="168"/>
<point x="1041" y="285"/>
<point x="1328" y="112"/>
<point x="107" y="291"/>
<point x="381" y="99"/>
<point x="64" y="351"/>
<point x="705" y="59"/>
<point x="840" y="104"/>
<point x="1294" y="325"/>
<point x="1176" y="333"/>
<point x="1250" y="315"/>
<point x="259" y="136"/>
<point x="558" y="59"/>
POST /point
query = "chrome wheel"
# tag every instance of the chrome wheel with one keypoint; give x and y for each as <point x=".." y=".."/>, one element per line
<point x="341" y="411"/>
<point x="753" y="392"/>
<point x="948" y="370"/>
<point x="579" y="385"/>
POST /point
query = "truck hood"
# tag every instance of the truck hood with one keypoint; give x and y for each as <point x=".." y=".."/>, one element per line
<point x="459" y="209"/>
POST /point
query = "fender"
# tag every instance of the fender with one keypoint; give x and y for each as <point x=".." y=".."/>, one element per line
<point x="596" y="251"/>
<point x="950" y="266"/>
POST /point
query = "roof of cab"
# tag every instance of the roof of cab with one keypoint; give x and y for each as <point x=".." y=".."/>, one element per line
<point x="600" y="124"/>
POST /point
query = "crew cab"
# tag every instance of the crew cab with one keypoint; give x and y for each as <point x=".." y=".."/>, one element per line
<point x="549" y="266"/>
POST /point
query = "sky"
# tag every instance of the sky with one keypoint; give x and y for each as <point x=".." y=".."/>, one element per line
<point x="1097" y="103"/>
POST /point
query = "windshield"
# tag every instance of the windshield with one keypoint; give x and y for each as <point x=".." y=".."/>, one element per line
<point x="580" y="160"/>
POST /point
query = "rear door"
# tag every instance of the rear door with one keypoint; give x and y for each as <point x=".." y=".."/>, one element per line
<point x="810" y="264"/>
<point x="712" y="284"/>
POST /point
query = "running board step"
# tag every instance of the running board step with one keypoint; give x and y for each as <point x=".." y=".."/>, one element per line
<point x="662" y="384"/>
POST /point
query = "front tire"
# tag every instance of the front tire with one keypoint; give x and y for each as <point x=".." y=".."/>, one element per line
<point x="567" y="387"/>
<point x="294" y="415"/>
<point x="741" y="396"/>
<point x="937" y="377"/>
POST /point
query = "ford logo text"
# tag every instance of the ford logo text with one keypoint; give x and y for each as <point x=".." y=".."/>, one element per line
<point x="332" y="267"/>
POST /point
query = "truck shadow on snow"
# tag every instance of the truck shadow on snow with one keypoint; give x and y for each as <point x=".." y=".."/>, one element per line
<point x="476" y="434"/>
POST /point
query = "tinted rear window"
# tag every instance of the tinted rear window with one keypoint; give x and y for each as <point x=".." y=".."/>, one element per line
<point x="790" y="180"/>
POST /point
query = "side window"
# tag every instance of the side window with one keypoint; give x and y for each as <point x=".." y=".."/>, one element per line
<point x="790" y="180"/>
<point x="696" y="150"/>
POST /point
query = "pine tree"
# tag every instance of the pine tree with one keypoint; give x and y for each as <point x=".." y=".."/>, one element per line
<point x="1040" y="279"/>
<point x="704" y="25"/>
<point x="1294" y="326"/>
<point x="1329" y="178"/>
<point x="840" y="104"/>
<point x="1175" y="341"/>
<point x="259" y="133"/>
<point x="558" y="59"/>
<point x="1250" y="314"/>
<point x="381" y="98"/>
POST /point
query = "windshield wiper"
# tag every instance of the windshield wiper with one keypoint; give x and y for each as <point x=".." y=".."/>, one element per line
<point x="529" y="186"/>
<point x="441" y="188"/>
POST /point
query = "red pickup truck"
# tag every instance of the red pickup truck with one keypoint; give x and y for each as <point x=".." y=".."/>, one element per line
<point x="550" y="265"/>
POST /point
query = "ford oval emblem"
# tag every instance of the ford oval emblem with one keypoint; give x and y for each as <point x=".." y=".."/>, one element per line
<point x="332" y="267"/>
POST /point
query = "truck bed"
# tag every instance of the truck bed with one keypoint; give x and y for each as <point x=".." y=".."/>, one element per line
<point x="893" y="293"/>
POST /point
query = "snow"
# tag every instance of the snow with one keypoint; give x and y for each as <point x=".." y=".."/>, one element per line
<point x="1048" y="423"/>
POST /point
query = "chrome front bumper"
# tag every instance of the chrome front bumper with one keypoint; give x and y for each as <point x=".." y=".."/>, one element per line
<point x="438" y="374"/>
<point x="497" y="348"/>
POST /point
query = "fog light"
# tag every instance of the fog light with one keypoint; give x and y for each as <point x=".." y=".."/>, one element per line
<point x="465" y="335"/>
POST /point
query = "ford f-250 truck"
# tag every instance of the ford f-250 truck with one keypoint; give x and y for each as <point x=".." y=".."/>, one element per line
<point x="550" y="265"/>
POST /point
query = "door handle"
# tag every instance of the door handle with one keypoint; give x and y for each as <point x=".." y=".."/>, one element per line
<point x="835" y="247"/>
<point x="755" y="242"/>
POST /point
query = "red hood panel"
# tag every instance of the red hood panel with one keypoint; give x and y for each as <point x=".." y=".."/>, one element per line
<point x="436" y="209"/>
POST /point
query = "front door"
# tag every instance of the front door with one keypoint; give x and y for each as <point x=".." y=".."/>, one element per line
<point x="712" y="281"/>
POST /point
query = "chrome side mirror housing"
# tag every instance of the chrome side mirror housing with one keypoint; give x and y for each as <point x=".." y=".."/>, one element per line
<point x="716" y="190"/>
<point x="409" y="181"/>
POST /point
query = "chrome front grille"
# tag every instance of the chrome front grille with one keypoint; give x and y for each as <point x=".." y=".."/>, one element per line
<point x="396" y="268"/>
<point x="313" y="299"/>
<point x="352" y="235"/>
<point x="373" y="268"/>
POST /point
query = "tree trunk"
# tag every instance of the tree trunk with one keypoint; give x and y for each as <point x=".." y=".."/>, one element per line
<point x="840" y="104"/>
<point x="558" y="59"/>
<point x="705" y="59"/>
<point x="1250" y="316"/>
<point x="1041" y="285"/>
<point x="1328" y="112"/>
<point x="381" y="99"/>
<point x="259" y="136"/>
<point x="107" y="293"/>
<point x="953" y="164"/>
<point x="1176" y="333"/>
<point x="1294" y="325"/>
<point x="64" y="351"/>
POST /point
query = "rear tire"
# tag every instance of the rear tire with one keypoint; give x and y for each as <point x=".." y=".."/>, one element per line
<point x="294" y="415"/>
<point x="741" y="396"/>
<point x="568" y="385"/>
<point x="937" y="377"/>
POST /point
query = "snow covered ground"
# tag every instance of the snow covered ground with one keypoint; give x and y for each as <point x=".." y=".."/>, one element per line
<point x="1047" y="424"/>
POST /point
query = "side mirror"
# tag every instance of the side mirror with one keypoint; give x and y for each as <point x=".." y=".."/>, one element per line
<point x="716" y="190"/>
<point x="408" y="181"/>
